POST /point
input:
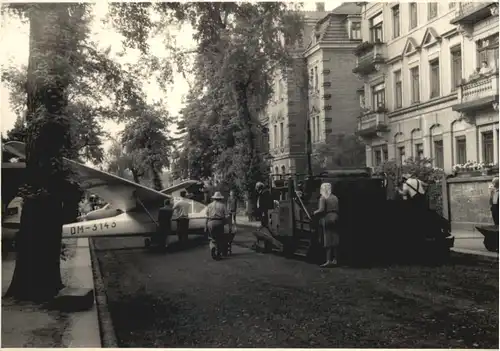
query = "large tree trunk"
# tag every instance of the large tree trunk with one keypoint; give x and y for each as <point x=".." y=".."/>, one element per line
<point x="37" y="275"/>
<point x="253" y="175"/>
<point x="157" y="184"/>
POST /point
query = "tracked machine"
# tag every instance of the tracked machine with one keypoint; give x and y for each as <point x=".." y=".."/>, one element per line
<point x="372" y="227"/>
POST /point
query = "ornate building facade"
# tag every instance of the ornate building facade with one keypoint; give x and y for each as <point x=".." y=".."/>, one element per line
<point x="430" y="82"/>
<point x="318" y="88"/>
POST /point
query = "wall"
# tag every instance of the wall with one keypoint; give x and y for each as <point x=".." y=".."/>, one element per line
<point x="342" y="108"/>
<point x="468" y="202"/>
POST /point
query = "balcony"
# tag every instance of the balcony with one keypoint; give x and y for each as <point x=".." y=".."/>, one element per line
<point x="369" y="57"/>
<point x="469" y="13"/>
<point x="372" y="123"/>
<point x="478" y="93"/>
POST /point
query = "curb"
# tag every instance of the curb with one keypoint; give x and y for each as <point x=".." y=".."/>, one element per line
<point x="476" y="254"/>
<point x="107" y="331"/>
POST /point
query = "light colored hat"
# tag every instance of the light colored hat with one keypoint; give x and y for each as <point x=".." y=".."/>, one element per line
<point x="406" y="175"/>
<point x="259" y="185"/>
<point x="218" y="196"/>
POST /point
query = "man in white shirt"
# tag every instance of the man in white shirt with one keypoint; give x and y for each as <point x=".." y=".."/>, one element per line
<point x="413" y="188"/>
<point x="181" y="215"/>
<point x="494" y="200"/>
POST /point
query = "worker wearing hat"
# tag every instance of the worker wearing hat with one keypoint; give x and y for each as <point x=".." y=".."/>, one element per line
<point x="217" y="215"/>
<point x="494" y="200"/>
<point x="264" y="203"/>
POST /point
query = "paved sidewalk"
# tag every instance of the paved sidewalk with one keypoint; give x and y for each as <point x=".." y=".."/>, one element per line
<point x="471" y="242"/>
<point x="243" y="220"/>
<point x="28" y="325"/>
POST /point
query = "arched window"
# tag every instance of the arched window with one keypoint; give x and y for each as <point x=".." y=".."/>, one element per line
<point x="283" y="170"/>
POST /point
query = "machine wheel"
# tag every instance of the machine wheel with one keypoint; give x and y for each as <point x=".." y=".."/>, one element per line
<point x="490" y="245"/>
<point x="213" y="253"/>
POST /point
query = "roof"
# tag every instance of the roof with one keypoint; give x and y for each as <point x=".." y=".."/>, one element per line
<point x="347" y="8"/>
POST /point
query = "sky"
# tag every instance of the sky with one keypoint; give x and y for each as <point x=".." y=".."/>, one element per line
<point x="14" y="52"/>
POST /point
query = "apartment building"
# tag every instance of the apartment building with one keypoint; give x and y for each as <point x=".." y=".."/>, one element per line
<point x="317" y="88"/>
<point x="424" y="92"/>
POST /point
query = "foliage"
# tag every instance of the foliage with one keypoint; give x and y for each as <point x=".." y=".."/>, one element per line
<point x="147" y="143"/>
<point x="118" y="162"/>
<point x="340" y="151"/>
<point x="421" y="167"/>
<point x="50" y="194"/>
<point x="239" y="48"/>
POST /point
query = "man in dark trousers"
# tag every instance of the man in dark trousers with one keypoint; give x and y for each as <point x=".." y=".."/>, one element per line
<point x="264" y="203"/>
<point x="181" y="215"/>
<point x="164" y="224"/>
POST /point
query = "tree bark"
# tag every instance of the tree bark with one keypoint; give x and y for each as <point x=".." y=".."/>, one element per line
<point x="37" y="275"/>
<point x="135" y="174"/>
<point x="157" y="184"/>
<point x="241" y="89"/>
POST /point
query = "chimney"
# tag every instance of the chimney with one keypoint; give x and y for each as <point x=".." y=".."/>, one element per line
<point x="320" y="6"/>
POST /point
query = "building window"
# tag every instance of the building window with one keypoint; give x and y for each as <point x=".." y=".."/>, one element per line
<point x="419" y="151"/>
<point x="413" y="15"/>
<point x="434" y="78"/>
<point x="415" y="84"/>
<point x="398" y="90"/>
<point x="313" y="130"/>
<point x="283" y="170"/>
<point x="316" y="80"/>
<point x="401" y="154"/>
<point x="396" y="32"/>
<point x="311" y="78"/>
<point x="377" y="28"/>
<point x="461" y="149"/>
<point x="432" y="10"/>
<point x="276" y="170"/>
<point x="282" y="137"/>
<point x="378" y="157"/>
<point x="438" y="153"/>
<point x="275" y="136"/>
<point x="487" y="141"/>
<point x="451" y="5"/>
<point x="456" y="67"/>
<point x="378" y="96"/>
<point x="487" y="51"/>
<point x="317" y="128"/>
<point x="355" y="30"/>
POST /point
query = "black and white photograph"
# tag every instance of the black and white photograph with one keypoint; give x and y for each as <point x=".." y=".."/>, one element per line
<point x="264" y="174"/>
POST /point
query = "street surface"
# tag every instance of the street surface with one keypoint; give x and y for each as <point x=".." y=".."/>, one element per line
<point x="185" y="299"/>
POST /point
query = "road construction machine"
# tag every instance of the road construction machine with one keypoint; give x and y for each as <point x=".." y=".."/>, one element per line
<point x="373" y="227"/>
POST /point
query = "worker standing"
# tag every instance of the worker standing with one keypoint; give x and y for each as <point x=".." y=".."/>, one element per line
<point x="264" y="204"/>
<point x="164" y="224"/>
<point x="494" y="200"/>
<point x="232" y="206"/>
<point x="181" y="215"/>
